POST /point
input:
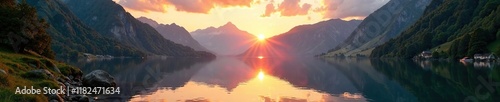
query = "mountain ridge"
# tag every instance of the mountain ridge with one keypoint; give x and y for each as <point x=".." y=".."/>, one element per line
<point x="378" y="27"/>
<point x="453" y="29"/>
<point x="65" y="26"/>
<point x="225" y="40"/>
<point x="116" y="23"/>
<point x="305" y="40"/>
<point x="175" y="33"/>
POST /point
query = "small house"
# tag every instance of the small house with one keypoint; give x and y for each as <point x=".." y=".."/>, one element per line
<point x="484" y="57"/>
<point x="425" y="54"/>
<point x="87" y="55"/>
<point x="478" y="56"/>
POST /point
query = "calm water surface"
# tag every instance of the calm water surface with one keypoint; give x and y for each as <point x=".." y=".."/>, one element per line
<point x="228" y="79"/>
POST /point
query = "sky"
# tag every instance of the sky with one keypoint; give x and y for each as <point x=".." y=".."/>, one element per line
<point x="258" y="17"/>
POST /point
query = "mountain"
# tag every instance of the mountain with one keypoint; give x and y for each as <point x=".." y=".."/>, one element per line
<point x="306" y="40"/>
<point x="65" y="27"/>
<point x="224" y="40"/>
<point x="451" y="29"/>
<point x="385" y="23"/>
<point x="175" y="33"/>
<point x="111" y="20"/>
<point x="149" y="21"/>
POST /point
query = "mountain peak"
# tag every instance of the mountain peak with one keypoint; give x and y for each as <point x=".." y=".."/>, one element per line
<point x="149" y="21"/>
<point x="145" y="18"/>
<point x="229" y="25"/>
<point x="175" y="25"/>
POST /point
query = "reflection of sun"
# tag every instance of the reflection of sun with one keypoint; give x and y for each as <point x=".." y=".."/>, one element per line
<point x="261" y="37"/>
<point x="260" y="57"/>
<point x="261" y="75"/>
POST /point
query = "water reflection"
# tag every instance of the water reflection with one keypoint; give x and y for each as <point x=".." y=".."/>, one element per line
<point x="374" y="85"/>
<point x="141" y="76"/>
<point x="228" y="79"/>
<point x="231" y="80"/>
<point x="484" y="64"/>
<point x="445" y="81"/>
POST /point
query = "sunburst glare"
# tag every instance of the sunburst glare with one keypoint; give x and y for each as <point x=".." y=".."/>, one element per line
<point x="261" y="37"/>
<point x="260" y="57"/>
<point x="261" y="75"/>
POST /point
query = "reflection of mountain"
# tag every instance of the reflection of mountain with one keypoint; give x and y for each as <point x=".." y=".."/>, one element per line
<point x="446" y="81"/>
<point x="224" y="40"/>
<point x="134" y="76"/>
<point x="307" y="72"/>
<point x="175" y="33"/>
<point x="336" y="77"/>
<point x="374" y="85"/>
<point x="225" y="72"/>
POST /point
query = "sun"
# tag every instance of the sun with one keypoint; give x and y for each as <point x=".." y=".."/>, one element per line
<point x="261" y="37"/>
<point x="261" y="75"/>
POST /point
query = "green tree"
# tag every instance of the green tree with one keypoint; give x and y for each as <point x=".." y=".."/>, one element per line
<point x="498" y="35"/>
<point x="477" y="43"/>
<point x="21" y="21"/>
<point x="436" y="54"/>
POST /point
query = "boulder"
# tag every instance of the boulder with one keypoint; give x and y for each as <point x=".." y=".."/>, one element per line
<point x="79" y="98"/>
<point x="55" y="98"/>
<point x="84" y="98"/>
<point x="98" y="78"/>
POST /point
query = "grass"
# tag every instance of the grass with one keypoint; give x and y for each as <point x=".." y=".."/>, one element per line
<point x="443" y="47"/>
<point x="17" y="67"/>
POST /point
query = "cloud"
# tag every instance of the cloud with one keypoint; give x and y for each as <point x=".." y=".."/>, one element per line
<point x="288" y="8"/>
<point x="145" y="5"/>
<point x="349" y="8"/>
<point x="269" y="10"/>
<point x="292" y="8"/>
<point x="193" y="6"/>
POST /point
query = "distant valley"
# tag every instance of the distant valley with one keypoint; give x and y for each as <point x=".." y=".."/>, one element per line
<point x="226" y="40"/>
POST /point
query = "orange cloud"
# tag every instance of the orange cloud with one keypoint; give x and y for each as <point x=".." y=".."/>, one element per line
<point x="288" y="8"/>
<point x="269" y="10"/>
<point x="145" y="5"/>
<point x="349" y="8"/>
<point x="193" y="6"/>
<point x="292" y="8"/>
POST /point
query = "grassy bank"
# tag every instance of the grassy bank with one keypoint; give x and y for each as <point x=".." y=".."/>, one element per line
<point x="17" y="67"/>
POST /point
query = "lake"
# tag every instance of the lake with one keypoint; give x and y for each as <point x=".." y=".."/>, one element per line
<point x="228" y="79"/>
